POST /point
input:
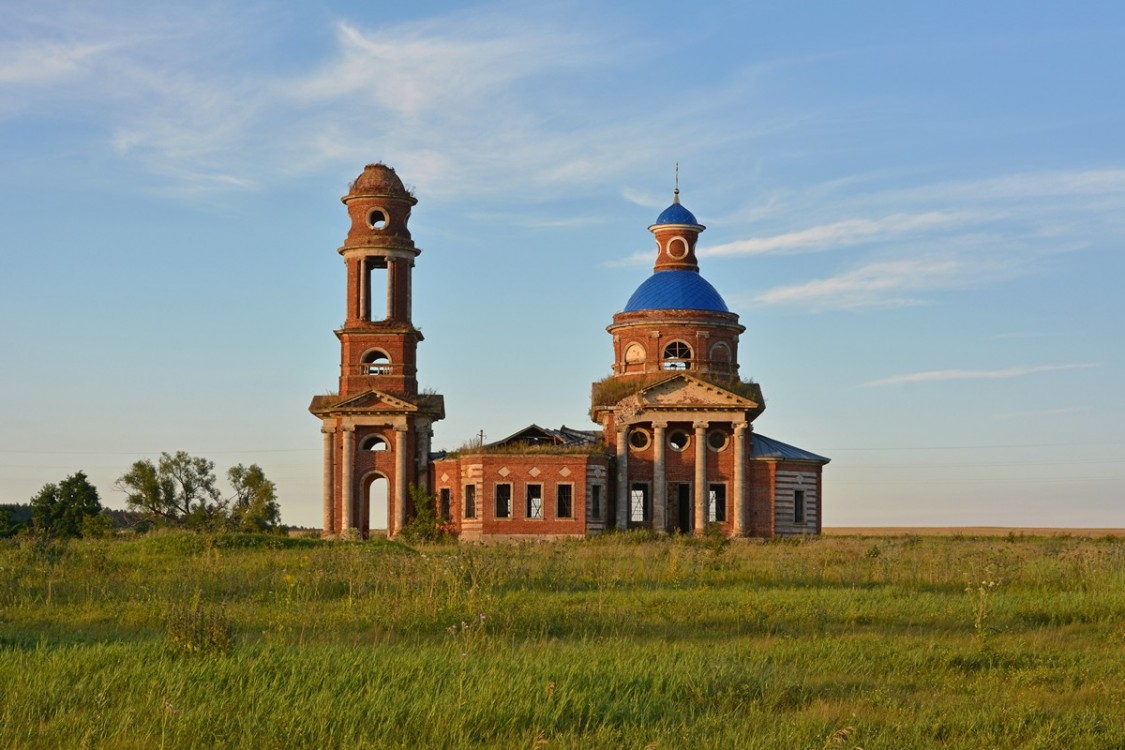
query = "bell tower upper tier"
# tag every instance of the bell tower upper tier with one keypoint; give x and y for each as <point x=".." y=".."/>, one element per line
<point x="378" y="340"/>
<point x="378" y="240"/>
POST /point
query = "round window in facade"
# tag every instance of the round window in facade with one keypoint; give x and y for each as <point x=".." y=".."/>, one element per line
<point x="639" y="439"/>
<point x="678" y="440"/>
<point x="677" y="248"/>
<point x="717" y="440"/>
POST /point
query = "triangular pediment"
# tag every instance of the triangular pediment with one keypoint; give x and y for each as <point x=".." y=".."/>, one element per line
<point x="687" y="392"/>
<point x="374" y="401"/>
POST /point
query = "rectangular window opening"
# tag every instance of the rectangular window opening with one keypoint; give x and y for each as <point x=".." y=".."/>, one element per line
<point x="470" y="501"/>
<point x="798" y="506"/>
<point x="595" y="501"/>
<point x="534" y="501"/>
<point x="375" y="286"/>
<point x="564" y="501"/>
<point x="443" y="504"/>
<point x="717" y="503"/>
<point x="503" y="501"/>
<point x="638" y="503"/>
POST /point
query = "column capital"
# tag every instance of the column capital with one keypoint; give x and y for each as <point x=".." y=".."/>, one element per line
<point x="740" y="426"/>
<point x="328" y="430"/>
<point x="660" y="424"/>
<point x="700" y="425"/>
<point x="348" y="428"/>
<point x="402" y="428"/>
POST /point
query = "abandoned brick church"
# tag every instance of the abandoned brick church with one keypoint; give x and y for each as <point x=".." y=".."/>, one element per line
<point x="676" y="450"/>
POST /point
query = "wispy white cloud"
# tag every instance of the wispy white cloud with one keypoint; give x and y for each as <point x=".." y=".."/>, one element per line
<point x="478" y="100"/>
<point x="944" y="236"/>
<point x="1020" y="186"/>
<point x="415" y="69"/>
<point x="644" y="199"/>
<point x="893" y="283"/>
<point x="844" y="233"/>
<point x="1010" y="372"/>
<point x="633" y="260"/>
<point x="37" y="63"/>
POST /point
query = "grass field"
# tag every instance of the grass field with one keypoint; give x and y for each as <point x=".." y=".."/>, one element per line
<point x="183" y="641"/>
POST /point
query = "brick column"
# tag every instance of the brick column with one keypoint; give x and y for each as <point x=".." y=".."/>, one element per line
<point x="659" y="483"/>
<point x="394" y="304"/>
<point x="739" y="525"/>
<point x="400" y="481"/>
<point x="364" y="292"/>
<point x="328" y="525"/>
<point x="347" y="463"/>
<point x="622" y="478"/>
<point x="700" y="477"/>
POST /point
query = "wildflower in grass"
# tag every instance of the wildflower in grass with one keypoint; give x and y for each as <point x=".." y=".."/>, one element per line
<point x="981" y="591"/>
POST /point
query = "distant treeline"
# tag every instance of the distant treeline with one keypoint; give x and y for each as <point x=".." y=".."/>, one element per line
<point x="17" y="517"/>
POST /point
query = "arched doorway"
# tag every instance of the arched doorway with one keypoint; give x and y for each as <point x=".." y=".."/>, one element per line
<point x="375" y="506"/>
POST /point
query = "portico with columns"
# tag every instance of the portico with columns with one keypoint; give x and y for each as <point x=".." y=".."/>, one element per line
<point x="675" y="411"/>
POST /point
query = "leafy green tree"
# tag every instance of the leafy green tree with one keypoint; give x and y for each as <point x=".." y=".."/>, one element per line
<point x="424" y="525"/>
<point x="254" y="505"/>
<point x="14" y="519"/>
<point x="62" y="509"/>
<point x="179" y="489"/>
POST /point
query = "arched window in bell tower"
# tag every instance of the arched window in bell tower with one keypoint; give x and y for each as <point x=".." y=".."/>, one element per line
<point x="376" y="362"/>
<point x="677" y="356"/>
<point x="374" y="443"/>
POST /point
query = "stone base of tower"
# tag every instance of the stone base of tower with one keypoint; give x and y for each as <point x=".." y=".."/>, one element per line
<point x="372" y="457"/>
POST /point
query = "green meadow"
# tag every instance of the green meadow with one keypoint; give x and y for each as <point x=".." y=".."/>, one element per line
<point x="175" y="640"/>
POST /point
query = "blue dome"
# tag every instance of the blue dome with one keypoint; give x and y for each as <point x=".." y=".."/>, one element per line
<point x="676" y="214"/>
<point x="676" y="290"/>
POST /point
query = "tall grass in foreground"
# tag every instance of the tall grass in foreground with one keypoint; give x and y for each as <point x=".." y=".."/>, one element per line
<point x="622" y="641"/>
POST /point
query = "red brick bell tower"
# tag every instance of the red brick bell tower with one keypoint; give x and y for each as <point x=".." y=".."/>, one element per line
<point x="377" y="427"/>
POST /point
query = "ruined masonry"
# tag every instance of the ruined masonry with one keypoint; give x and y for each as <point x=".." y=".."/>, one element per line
<point x="676" y="451"/>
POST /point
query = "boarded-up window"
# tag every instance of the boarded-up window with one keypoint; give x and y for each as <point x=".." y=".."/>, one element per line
<point x="798" y="506"/>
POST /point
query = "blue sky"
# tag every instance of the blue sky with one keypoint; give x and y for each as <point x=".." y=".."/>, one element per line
<point x="918" y="211"/>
